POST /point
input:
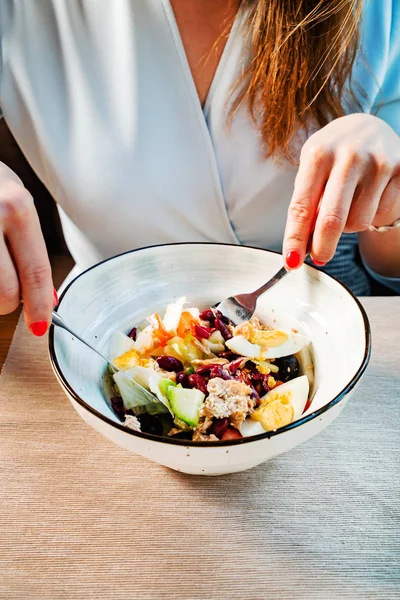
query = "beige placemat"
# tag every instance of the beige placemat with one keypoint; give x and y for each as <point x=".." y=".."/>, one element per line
<point x="82" y="518"/>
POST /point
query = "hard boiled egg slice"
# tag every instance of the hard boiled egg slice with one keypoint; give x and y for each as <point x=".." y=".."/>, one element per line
<point x="119" y="344"/>
<point x="294" y="343"/>
<point x="306" y="363"/>
<point x="283" y="405"/>
<point x="250" y="427"/>
<point x="240" y="345"/>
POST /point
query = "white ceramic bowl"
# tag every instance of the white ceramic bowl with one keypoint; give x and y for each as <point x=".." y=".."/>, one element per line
<point x="120" y="292"/>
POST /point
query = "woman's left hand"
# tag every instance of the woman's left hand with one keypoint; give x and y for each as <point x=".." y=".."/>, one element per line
<point x="348" y="179"/>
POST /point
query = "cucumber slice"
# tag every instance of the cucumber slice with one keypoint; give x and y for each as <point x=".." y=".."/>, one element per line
<point x="186" y="404"/>
<point x="169" y="391"/>
<point x="164" y="384"/>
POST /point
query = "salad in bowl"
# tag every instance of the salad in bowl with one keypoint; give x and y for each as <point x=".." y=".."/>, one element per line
<point x="210" y="380"/>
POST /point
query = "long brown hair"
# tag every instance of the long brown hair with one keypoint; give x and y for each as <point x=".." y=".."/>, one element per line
<point x="303" y="52"/>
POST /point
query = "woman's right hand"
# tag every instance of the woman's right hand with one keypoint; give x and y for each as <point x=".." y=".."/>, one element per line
<point x="25" y="271"/>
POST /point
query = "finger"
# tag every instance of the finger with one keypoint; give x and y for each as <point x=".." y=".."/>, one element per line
<point x="315" y="165"/>
<point x="367" y="199"/>
<point x="23" y="232"/>
<point x="9" y="284"/>
<point x="334" y="209"/>
<point x="389" y="200"/>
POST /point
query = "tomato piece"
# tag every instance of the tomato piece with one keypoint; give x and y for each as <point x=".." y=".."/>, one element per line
<point x="307" y="406"/>
<point x="186" y="324"/>
<point x="231" y="434"/>
<point x="277" y="384"/>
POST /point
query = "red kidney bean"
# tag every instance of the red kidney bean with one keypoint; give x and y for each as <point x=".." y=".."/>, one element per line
<point x="118" y="407"/>
<point x="231" y="434"/>
<point x="207" y="315"/>
<point x="204" y="371"/>
<point x="219" y="427"/>
<point x="222" y="317"/>
<point x="169" y="363"/>
<point x="133" y="333"/>
<point x="202" y="332"/>
<point x="182" y="378"/>
<point x="226" y="334"/>
<point x="198" y="382"/>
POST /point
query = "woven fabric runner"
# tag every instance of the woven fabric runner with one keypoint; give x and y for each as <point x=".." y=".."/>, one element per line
<point x="82" y="518"/>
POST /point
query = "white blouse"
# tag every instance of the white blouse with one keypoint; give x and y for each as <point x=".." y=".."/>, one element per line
<point x="101" y="100"/>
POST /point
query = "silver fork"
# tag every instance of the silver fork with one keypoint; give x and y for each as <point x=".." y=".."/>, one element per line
<point x="59" y="322"/>
<point x="242" y="307"/>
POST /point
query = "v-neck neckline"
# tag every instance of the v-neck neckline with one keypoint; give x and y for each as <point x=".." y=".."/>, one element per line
<point x="199" y="113"/>
<point x="205" y="107"/>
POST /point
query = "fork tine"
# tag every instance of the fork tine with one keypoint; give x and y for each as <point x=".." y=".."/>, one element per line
<point x="235" y="312"/>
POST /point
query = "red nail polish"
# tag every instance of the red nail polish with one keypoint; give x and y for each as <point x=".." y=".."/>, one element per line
<point x="55" y="297"/>
<point x="39" y="328"/>
<point x="293" y="259"/>
<point x="319" y="263"/>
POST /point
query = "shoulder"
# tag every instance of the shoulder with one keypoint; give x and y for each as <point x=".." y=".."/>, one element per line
<point x="379" y="51"/>
<point x="381" y="21"/>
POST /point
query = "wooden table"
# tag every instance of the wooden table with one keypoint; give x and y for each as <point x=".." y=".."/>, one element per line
<point x="61" y="266"/>
<point x="81" y="518"/>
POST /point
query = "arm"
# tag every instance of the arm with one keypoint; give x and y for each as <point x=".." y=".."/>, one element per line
<point x="380" y="251"/>
<point x="24" y="265"/>
<point x="349" y="175"/>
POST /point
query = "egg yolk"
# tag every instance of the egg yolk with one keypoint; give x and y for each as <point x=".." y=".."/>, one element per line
<point x="275" y="411"/>
<point x="131" y="359"/>
<point x="270" y="338"/>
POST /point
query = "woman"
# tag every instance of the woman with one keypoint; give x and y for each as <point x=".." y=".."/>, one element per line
<point x="202" y="120"/>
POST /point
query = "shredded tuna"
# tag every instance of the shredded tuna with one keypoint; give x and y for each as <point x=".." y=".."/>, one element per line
<point x="174" y="431"/>
<point x="204" y="424"/>
<point x="227" y="397"/>
<point x="132" y="423"/>
<point x="237" y="419"/>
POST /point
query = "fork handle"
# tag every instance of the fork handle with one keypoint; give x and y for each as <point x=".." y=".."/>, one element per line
<point x="59" y="322"/>
<point x="277" y="277"/>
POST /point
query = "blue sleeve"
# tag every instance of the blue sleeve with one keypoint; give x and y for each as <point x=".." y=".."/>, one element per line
<point x="376" y="73"/>
<point x="387" y="102"/>
<point x="377" y="76"/>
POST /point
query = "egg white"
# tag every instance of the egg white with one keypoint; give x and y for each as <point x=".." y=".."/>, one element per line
<point x="293" y="344"/>
<point x="250" y="427"/>
<point x="119" y="344"/>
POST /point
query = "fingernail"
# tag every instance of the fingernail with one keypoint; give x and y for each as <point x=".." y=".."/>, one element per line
<point x="55" y="297"/>
<point x="293" y="259"/>
<point x="318" y="263"/>
<point x="39" y="328"/>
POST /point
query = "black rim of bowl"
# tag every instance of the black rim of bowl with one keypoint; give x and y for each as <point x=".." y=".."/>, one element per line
<point x="188" y="443"/>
